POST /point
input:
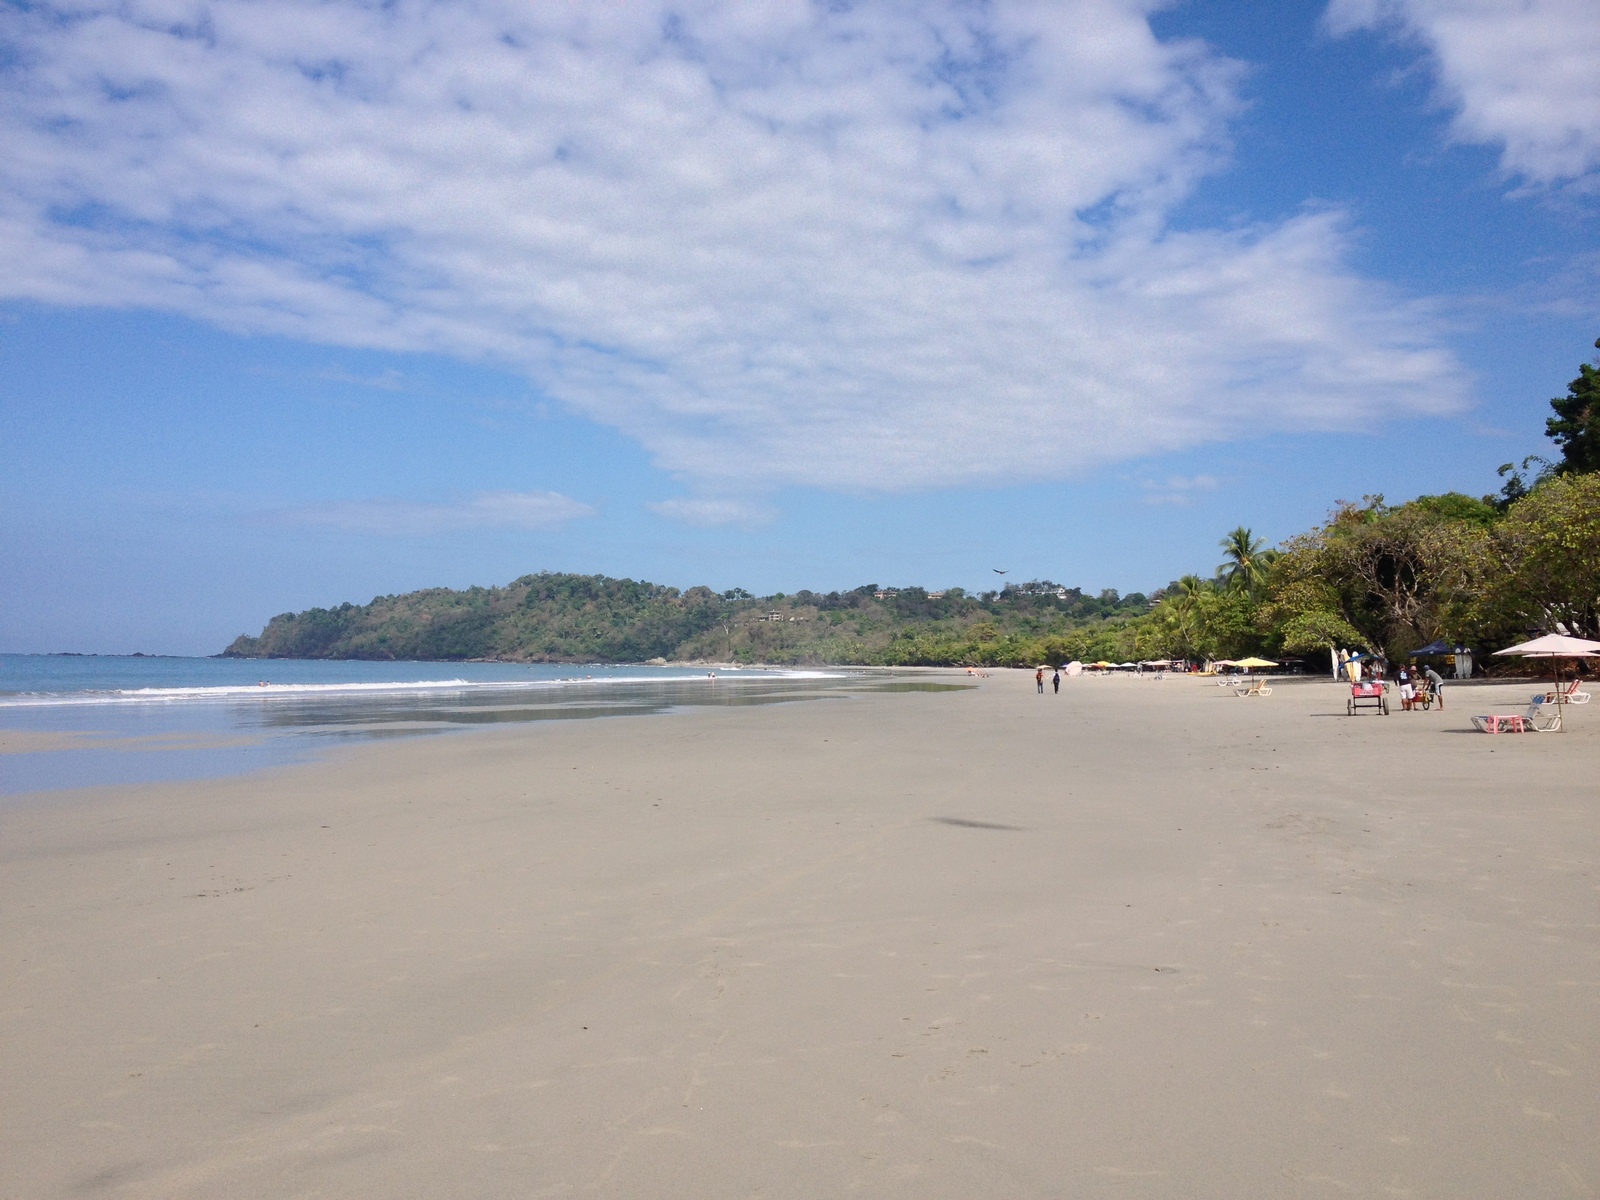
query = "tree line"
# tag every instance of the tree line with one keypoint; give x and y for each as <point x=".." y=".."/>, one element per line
<point x="552" y="617"/>
<point x="1390" y="578"/>
<point x="1379" y="577"/>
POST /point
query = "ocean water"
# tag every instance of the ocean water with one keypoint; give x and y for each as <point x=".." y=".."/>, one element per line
<point x="79" y="721"/>
<point x="73" y="721"/>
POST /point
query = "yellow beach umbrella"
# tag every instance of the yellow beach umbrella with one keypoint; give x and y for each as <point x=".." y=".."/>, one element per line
<point x="1254" y="662"/>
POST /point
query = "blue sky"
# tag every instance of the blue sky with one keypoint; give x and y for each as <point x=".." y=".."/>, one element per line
<point x="305" y="303"/>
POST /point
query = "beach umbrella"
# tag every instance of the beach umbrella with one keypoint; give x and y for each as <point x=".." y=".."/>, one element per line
<point x="1254" y="662"/>
<point x="1555" y="647"/>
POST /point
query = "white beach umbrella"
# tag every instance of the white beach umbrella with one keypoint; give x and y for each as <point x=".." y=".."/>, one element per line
<point x="1555" y="647"/>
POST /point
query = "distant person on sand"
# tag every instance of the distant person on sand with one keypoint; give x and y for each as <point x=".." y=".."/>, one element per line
<point x="1038" y="678"/>
<point x="1436" y="683"/>
<point x="1055" y="681"/>
<point x="1407" y="692"/>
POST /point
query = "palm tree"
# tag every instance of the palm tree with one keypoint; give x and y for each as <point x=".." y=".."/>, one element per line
<point x="1247" y="562"/>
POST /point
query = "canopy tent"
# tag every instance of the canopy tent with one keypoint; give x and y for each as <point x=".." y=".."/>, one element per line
<point x="1433" y="649"/>
<point x="1555" y="647"/>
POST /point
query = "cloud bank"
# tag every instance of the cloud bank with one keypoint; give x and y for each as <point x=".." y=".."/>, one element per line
<point x="486" y="510"/>
<point x="1519" y="74"/>
<point x="878" y="246"/>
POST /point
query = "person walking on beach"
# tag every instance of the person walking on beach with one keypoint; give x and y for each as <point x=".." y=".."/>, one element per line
<point x="1055" y="681"/>
<point x="1436" y="685"/>
<point x="1038" y="678"/>
<point x="1407" y="692"/>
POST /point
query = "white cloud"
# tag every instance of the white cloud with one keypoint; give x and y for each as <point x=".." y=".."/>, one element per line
<point x="882" y="246"/>
<point x="486" y="510"/>
<point x="712" y="511"/>
<point x="1523" y="75"/>
<point x="1177" y="490"/>
<point x="388" y="380"/>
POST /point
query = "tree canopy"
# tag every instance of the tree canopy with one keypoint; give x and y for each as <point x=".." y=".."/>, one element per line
<point x="1576" y="426"/>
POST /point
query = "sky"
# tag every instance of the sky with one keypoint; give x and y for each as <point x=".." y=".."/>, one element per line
<point x="307" y="302"/>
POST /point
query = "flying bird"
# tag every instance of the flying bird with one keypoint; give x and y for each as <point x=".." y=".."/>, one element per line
<point x="998" y="571"/>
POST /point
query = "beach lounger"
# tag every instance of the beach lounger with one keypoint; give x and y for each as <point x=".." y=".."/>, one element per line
<point x="1568" y="695"/>
<point x="1499" y="723"/>
<point x="1257" y="688"/>
<point x="1535" y="720"/>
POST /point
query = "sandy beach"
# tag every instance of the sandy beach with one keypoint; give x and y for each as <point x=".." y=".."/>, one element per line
<point x="1138" y="939"/>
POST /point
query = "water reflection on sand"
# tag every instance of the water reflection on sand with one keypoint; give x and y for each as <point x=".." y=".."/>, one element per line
<point x="70" y="746"/>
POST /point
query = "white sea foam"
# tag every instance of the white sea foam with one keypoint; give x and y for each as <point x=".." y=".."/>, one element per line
<point x="268" y="690"/>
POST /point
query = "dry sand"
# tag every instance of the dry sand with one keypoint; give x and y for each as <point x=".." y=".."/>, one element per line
<point x="1141" y="939"/>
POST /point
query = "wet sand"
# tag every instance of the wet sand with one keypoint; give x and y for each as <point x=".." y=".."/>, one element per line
<point x="1139" y="939"/>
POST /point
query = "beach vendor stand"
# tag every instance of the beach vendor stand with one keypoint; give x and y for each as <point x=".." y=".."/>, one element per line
<point x="1367" y="693"/>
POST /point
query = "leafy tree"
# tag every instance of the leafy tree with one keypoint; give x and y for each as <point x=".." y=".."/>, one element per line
<point x="1517" y="484"/>
<point x="1246" y="562"/>
<point x="1394" y="576"/>
<point x="1546" y="555"/>
<point x="1456" y="506"/>
<point x="1576" y="425"/>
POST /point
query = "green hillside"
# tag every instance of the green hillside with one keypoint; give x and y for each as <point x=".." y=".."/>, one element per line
<point x="592" y="618"/>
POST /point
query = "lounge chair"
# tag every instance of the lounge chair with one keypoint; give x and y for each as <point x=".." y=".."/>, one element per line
<point x="1535" y="720"/>
<point x="1567" y="695"/>
<point x="1257" y="687"/>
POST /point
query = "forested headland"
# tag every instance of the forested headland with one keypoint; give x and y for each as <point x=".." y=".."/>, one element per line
<point x="591" y="618"/>
<point x="1475" y="571"/>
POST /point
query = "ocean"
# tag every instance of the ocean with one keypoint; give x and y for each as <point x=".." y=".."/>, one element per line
<point x="70" y="721"/>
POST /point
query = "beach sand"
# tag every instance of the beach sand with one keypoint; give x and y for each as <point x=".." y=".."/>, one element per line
<point x="1139" y="939"/>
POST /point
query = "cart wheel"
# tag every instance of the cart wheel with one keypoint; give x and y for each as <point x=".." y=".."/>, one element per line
<point x="1386" y="706"/>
